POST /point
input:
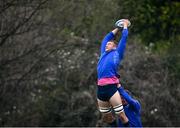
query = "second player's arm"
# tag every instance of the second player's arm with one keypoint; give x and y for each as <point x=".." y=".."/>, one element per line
<point x="131" y="101"/>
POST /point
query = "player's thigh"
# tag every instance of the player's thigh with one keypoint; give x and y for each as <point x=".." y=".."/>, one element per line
<point x="104" y="107"/>
<point x="115" y="99"/>
<point x="103" y="104"/>
<point x="116" y="102"/>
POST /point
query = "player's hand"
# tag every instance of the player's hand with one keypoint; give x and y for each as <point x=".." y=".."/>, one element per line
<point x="126" y="23"/>
<point x="122" y="23"/>
<point x="118" y="85"/>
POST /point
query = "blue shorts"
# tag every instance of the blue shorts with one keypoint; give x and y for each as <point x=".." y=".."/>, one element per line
<point x="104" y="93"/>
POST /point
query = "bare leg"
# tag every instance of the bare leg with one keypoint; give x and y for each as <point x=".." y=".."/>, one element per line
<point x="107" y="117"/>
<point x="115" y="100"/>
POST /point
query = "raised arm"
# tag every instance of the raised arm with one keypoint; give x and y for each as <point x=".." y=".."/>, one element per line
<point x="134" y="103"/>
<point x="107" y="38"/>
<point x="122" y="43"/>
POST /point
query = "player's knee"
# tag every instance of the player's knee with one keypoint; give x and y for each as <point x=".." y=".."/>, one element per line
<point x="118" y="109"/>
<point x="106" y="114"/>
<point x="105" y="110"/>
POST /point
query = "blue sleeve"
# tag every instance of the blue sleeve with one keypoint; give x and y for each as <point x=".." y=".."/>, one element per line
<point x="132" y="102"/>
<point x="122" y="43"/>
<point x="107" y="38"/>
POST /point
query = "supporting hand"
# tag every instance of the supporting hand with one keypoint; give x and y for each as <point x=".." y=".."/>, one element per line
<point x="119" y="85"/>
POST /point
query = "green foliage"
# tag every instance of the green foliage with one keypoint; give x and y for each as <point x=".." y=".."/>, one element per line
<point x="153" y="20"/>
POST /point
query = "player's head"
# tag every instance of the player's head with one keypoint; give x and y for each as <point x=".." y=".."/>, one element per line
<point x="110" y="45"/>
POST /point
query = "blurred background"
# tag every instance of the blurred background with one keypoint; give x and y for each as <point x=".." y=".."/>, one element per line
<point x="49" y="51"/>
